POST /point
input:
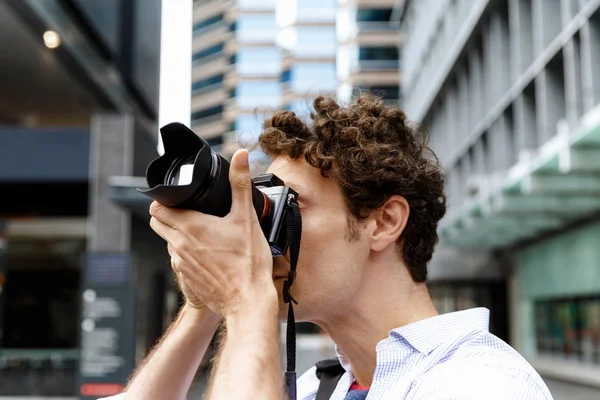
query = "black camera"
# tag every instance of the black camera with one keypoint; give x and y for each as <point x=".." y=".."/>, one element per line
<point x="190" y="175"/>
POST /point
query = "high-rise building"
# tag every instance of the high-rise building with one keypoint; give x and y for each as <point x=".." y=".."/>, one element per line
<point x="212" y="31"/>
<point x="236" y="69"/>
<point x="252" y="58"/>
<point x="307" y="33"/>
<point x="508" y="90"/>
<point x="368" y="51"/>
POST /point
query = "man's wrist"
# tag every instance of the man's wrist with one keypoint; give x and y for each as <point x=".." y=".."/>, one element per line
<point x="200" y="316"/>
<point x="261" y="306"/>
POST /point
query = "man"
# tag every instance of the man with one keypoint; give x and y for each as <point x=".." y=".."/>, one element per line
<point x="371" y="195"/>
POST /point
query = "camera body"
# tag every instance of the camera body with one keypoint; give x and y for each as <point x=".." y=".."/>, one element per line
<point x="273" y="223"/>
<point x="190" y="175"/>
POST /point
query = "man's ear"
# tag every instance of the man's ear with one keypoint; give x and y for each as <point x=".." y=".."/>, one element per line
<point x="390" y="220"/>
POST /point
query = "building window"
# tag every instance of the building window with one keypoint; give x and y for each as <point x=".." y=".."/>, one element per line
<point x="258" y="94"/>
<point x="450" y="297"/>
<point x="207" y="112"/>
<point x="569" y="328"/>
<point x="314" y="77"/>
<point x="207" y="52"/>
<point x="374" y="14"/>
<point x="378" y="58"/>
<point x="207" y="22"/>
<point x="256" y="28"/>
<point x="213" y="80"/>
<point x="316" y="10"/>
<point x="258" y="61"/>
<point x="315" y="41"/>
<point x="378" y="53"/>
<point x="391" y="92"/>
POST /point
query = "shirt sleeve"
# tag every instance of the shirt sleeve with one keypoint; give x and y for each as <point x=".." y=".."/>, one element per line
<point x="485" y="382"/>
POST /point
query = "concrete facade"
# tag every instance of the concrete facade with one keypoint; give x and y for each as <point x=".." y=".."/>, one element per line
<point x="507" y="92"/>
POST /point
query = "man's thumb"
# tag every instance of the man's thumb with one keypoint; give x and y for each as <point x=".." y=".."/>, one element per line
<point x="241" y="183"/>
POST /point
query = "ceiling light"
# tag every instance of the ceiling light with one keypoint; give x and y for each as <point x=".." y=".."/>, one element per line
<point x="51" y="39"/>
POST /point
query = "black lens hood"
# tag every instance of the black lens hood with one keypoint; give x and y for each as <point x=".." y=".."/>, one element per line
<point x="178" y="141"/>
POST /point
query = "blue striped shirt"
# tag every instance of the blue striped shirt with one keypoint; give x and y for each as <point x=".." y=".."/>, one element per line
<point x="450" y="356"/>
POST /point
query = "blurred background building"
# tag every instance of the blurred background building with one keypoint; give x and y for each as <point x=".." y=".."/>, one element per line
<point x="78" y="103"/>
<point x="251" y="58"/>
<point x="508" y="90"/>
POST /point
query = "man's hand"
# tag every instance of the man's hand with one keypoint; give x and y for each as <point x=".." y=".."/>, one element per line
<point x="190" y="297"/>
<point x="225" y="262"/>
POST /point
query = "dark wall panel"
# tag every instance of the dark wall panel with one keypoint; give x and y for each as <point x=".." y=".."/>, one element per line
<point x="104" y="18"/>
<point x="57" y="155"/>
<point x="146" y="50"/>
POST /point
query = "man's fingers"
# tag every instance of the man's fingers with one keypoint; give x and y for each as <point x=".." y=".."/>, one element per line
<point x="168" y="216"/>
<point x="241" y="184"/>
<point x="176" y="218"/>
<point x="170" y="235"/>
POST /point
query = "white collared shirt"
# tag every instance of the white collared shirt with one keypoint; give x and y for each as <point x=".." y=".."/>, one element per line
<point x="450" y="356"/>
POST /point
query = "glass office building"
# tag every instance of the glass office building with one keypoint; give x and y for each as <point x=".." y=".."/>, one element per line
<point x="368" y="52"/>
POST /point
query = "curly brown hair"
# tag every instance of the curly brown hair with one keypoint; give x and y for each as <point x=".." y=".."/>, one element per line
<point x="372" y="152"/>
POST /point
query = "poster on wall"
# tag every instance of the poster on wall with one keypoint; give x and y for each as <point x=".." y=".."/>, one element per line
<point x="107" y="326"/>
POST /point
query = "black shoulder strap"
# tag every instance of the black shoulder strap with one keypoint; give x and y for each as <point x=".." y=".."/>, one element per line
<point x="329" y="372"/>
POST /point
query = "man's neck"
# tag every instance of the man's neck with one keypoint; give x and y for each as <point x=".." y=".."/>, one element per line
<point x="382" y="304"/>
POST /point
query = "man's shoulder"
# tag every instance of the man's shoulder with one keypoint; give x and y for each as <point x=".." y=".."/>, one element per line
<point x="476" y="380"/>
<point x="483" y="365"/>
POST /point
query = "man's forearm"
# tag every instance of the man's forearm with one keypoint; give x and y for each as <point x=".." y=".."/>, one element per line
<point x="169" y="371"/>
<point x="248" y="365"/>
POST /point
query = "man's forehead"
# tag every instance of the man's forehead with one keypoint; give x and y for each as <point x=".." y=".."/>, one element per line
<point x="292" y="173"/>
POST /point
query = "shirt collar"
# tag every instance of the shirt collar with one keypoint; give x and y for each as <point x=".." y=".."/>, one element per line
<point x="427" y="334"/>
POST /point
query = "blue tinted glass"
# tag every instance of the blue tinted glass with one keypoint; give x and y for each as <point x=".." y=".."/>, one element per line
<point x="316" y="10"/>
<point x="208" y="22"/>
<point x="302" y="107"/>
<point x="256" y="27"/>
<point x="207" y="52"/>
<point x="317" y="41"/>
<point x="258" y="94"/>
<point x="314" y="77"/>
<point x="256" y="4"/>
<point x="374" y="14"/>
<point x="248" y="123"/>
<point x="378" y="53"/>
<point x="207" y="112"/>
<point x="207" y="82"/>
<point x="259" y="61"/>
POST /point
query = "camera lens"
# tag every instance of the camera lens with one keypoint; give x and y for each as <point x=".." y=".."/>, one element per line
<point x="181" y="171"/>
<point x="190" y="175"/>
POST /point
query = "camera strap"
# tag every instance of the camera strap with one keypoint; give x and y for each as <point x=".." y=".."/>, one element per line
<point x="294" y="233"/>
